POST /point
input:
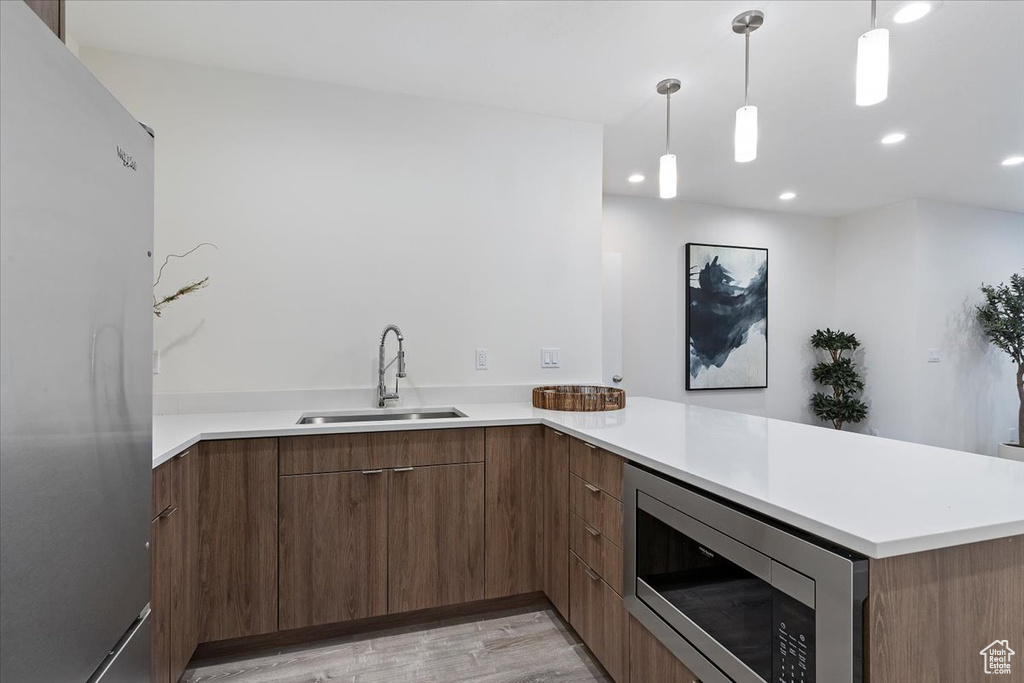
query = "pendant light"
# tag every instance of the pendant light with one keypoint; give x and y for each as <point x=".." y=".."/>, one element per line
<point x="873" y="64"/>
<point x="746" y="116"/>
<point x="667" y="177"/>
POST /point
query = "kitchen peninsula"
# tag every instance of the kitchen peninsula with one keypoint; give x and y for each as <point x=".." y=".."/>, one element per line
<point x="938" y="553"/>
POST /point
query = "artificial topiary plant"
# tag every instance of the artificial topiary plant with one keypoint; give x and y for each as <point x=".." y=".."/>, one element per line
<point x="1002" y="319"/>
<point x="844" y="405"/>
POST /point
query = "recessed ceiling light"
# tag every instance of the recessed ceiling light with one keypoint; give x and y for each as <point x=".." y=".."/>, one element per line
<point x="893" y="138"/>
<point x="786" y="196"/>
<point x="636" y="178"/>
<point x="912" y="11"/>
<point x="1015" y="160"/>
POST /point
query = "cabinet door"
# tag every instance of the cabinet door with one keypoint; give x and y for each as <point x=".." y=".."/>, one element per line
<point x="158" y="602"/>
<point x="435" y="536"/>
<point x="649" y="660"/>
<point x="237" y="538"/>
<point x="184" y="583"/>
<point x="515" y="510"/>
<point x="556" y="519"/>
<point x="334" y="553"/>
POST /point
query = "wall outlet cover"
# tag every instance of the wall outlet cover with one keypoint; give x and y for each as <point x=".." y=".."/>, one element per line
<point x="481" y="359"/>
<point x="933" y="356"/>
<point x="156" y="361"/>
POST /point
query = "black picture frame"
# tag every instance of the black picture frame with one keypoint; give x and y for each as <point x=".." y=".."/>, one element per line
<point x="689" y="303"/>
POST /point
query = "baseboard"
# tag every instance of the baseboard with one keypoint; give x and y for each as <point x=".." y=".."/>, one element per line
<point x="301" y="636"/>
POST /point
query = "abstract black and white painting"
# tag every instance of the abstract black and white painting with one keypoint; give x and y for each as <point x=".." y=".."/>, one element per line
<point x="726" y="317"/>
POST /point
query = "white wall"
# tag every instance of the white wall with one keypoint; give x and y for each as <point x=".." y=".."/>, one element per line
<point x="651" y="236"/>
<point x="875" y="275"/>
<point x="337" y="210"/>
<point x="907" y="282"/>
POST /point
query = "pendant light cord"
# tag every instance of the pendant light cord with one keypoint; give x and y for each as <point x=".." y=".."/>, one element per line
<point x="668" y="118"/>
<point x="746" y="69"/>
<point x="873" y="14"/>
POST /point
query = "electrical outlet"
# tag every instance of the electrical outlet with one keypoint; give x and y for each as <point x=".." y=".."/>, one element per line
<point x="549" y="358"/>
<point x="933" y="356"/>
<point x="156" y="361"/>
<point x="481" y="359"/>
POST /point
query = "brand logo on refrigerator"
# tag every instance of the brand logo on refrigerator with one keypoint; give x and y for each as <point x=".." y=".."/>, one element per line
<point x="127" y="159"/>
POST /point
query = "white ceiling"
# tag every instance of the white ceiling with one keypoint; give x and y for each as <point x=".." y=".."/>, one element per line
<point x="956" y="86"/>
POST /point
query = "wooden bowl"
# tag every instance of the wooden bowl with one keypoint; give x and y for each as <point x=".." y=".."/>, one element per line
<point x="579" y="397"/>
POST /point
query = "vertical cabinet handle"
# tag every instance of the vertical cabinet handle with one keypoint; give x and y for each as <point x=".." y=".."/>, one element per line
<point x="403" y="469"/>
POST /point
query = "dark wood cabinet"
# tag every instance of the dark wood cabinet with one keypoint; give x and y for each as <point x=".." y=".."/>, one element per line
<point x="435" y="536"/>
<point x="649" y="660"/>
<point x="599" y="616"/>
<point x="556" y="519"/>
<point x="237" y="538"/>
<point x="333" y="547"/>
<point x="174" y="594"/>
<point x="52" y="13"/>
<point x="161" y="561"/>
<point x="515" y="510"/>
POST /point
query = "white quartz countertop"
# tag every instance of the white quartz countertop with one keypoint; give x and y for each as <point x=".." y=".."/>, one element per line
<point x="878" y="497"/>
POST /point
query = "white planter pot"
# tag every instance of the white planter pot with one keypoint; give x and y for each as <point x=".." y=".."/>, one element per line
<point x="1011" y="452"/>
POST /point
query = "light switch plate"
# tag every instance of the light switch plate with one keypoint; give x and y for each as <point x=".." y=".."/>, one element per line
<point x="549" y="357"/>
<point x="481" y="359"/>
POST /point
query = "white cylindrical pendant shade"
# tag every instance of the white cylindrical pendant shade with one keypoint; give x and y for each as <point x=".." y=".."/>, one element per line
<point x="746" y="134"/>
<point x="873" y="67"/>
<point x="667" y="176"/>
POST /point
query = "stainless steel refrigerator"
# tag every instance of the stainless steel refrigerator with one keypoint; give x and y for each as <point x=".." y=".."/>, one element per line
<point x="76" y="235"/>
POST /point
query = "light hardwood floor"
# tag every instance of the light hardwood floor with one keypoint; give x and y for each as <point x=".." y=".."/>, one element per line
<point x="516" y="646"/>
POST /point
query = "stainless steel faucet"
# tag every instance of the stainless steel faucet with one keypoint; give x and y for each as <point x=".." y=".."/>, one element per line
<point x="382" y="394"/>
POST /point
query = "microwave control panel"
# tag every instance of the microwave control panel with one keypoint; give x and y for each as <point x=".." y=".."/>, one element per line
<point x="793" y="641"/>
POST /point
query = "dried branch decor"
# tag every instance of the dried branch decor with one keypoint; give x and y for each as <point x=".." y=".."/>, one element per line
<point x="195" y="286"/>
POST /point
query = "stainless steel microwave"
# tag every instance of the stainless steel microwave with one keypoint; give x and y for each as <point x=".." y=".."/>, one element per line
<point x="736" y="598"/>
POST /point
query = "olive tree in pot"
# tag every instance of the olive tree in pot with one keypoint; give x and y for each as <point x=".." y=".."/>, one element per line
<point x="844" y="404"/>
<point x="1002" y="319"/>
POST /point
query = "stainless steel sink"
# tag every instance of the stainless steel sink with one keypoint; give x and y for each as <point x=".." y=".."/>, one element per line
<point x="380" y="416"/>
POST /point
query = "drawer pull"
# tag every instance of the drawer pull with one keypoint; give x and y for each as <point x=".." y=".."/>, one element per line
<point x="557" y="433"/>
<point x="591" y="530"/>
<point x="372" y="471"/>
<point x="167" y="512"/>
<point x="403" y="469"/>
<point x="592" y="488"/>
<point x="181" y="455"/>
<point x="589" y="445"/>
<point x="591" y="574"/>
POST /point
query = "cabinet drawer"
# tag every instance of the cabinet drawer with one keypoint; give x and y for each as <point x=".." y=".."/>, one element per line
<point x="598" y="466"/>
<point x="599" y="616"/>
<point x="426" y="447"/>
<point x="324" y="453"/>
<point x="596" y="508"/>
<point x="596" y="550"/>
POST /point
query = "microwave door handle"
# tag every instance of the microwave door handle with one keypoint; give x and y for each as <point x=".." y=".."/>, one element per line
<point x="742" y="555"/>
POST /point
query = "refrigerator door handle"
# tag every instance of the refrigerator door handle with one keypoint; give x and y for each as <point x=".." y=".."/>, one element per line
<point x="138" y="625"/>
